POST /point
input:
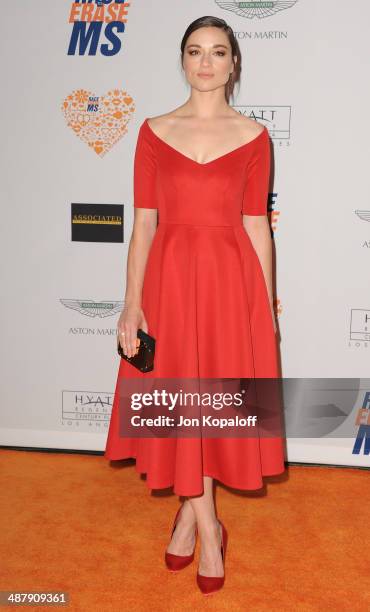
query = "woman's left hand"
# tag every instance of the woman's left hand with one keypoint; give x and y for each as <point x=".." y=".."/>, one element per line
<point x="273" y="317"/>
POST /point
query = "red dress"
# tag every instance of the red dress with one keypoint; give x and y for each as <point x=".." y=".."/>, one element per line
<point x="206" y="303"/>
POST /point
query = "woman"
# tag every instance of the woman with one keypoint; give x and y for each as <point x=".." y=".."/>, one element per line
<point x="199" y="280"/>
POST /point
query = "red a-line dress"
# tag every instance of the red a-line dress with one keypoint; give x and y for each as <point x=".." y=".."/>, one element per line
<point x="205" y="301"/>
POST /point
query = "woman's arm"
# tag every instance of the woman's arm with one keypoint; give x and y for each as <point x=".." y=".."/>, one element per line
<point x="254" y="209"/>
<point x="132" y="316"/>
<point x="145" y="225"/>
<point x="259" y="232"/>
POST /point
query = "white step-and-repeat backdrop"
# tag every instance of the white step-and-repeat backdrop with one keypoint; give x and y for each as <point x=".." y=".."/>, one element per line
<point x="77" y="80"/>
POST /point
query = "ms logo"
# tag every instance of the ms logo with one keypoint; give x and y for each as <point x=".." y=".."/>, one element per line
<point x="99" y="121"/>
<point x="250" y="10"/>
<point x="363" y="421"/>
<point x="96" y="19"/>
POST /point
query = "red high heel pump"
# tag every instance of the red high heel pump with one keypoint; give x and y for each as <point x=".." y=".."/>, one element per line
<point x="178" y="562"/>
<point x="210" y="584"/>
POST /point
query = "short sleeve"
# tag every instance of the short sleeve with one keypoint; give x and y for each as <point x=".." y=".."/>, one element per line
<point x="145" y="171"/>
<point x="257" y="177"/>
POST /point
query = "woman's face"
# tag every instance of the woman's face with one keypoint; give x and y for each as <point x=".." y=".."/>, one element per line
<point x="207" y="59"/>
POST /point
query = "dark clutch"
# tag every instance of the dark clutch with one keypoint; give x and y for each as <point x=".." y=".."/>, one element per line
<point x="144" y="359"/>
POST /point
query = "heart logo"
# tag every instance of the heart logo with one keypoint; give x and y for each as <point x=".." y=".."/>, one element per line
<point x="100" y="121"/>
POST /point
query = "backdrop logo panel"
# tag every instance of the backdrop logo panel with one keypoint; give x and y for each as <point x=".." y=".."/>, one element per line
<point x="90" y="308"/>
<point x="363" y="423"/>
<point x="97" y="222"/>
<point x="360" y="328"/>
<point x="94" y="22"/>
<point x="95" y="312"/>
<point x="277" y="119"/>
<point x="99" y="121"/>
<point x="86" y="410"/>
<point x="258" y="10"/>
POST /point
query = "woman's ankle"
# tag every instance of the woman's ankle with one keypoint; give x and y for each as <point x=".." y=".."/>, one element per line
<point x="210" y="528"/>
<point x="187" y="513"/>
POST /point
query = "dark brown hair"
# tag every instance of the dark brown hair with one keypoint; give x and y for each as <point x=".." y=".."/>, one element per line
<point x="209" y="21"/>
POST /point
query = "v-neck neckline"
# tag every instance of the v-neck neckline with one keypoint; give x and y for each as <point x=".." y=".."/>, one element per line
<point x="212" y="161"/>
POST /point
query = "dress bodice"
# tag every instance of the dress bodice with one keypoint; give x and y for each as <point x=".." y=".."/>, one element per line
<point x="185" y="191"/>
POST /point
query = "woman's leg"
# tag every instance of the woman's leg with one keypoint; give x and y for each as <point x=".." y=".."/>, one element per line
<point x="210" y="531"/>
<point x="183" y="539"/>
<point x="200" y="510"/>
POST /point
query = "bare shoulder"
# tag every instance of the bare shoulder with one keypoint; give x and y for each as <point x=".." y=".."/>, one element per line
<point x="250" y="127"/>
<point x="161" y="123"/>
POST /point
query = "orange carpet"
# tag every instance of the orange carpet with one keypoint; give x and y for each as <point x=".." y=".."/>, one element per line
<point x="80" y="524"/>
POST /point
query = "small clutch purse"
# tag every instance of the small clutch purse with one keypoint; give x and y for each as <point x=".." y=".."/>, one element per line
<point x="144" y="358"/>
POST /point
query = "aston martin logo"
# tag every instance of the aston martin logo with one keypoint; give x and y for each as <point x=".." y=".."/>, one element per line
<point x="89" y="308"/>
<point x="256" y="9"/>
<point x="363" y="214"/>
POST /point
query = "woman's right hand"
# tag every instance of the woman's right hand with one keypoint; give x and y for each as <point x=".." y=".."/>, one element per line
<point x="131" y="318"/>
